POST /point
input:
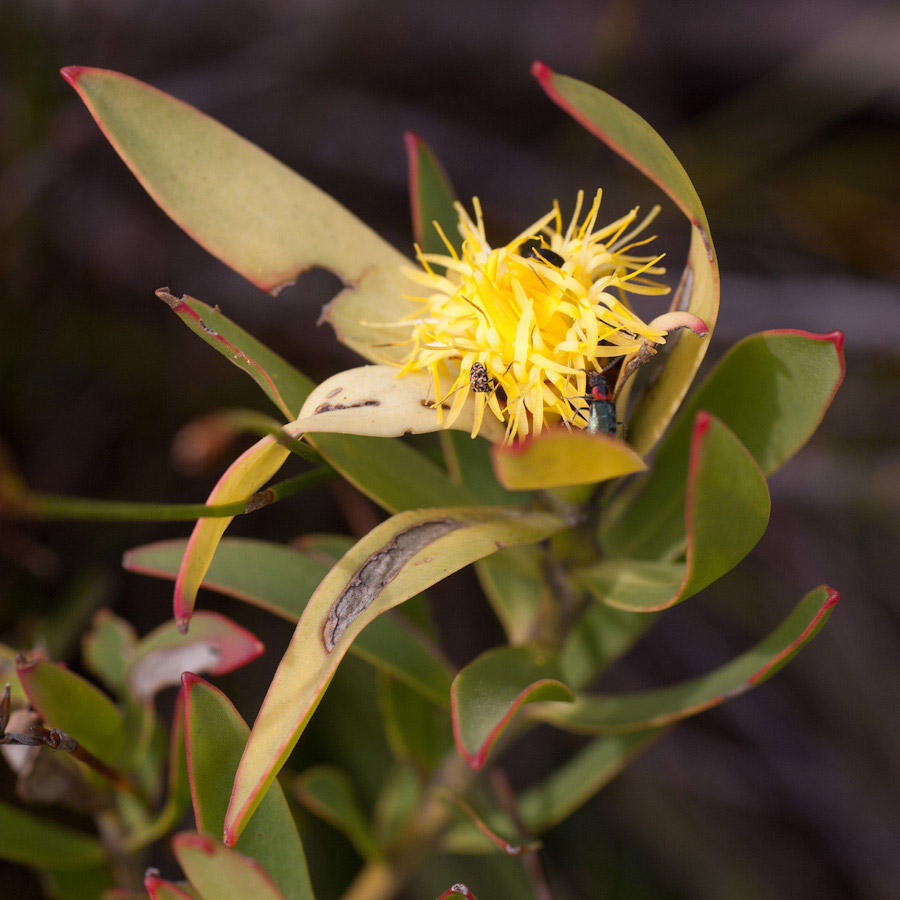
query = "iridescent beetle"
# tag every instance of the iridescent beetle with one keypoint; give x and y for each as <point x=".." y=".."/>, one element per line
<point x="601" y="409"/>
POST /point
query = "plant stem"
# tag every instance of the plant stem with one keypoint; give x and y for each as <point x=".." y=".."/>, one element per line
<point x="53" y="506"/>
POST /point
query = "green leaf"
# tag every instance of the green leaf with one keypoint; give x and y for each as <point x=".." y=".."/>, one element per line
<point x="68" y="702"/>
<point x="556" y="458"/>
<point x="469" y="463"/>
<point x="396" y="802"/>
<point x="326" y="791"/>
<point x="216" y="735"/>
<point x="397" y="559"/>
<point x="655" y="708"/>
<point x="431" y="196"/>
<point x="281" y="579"/>
<point x="727" y="510"/>
<point x="42" y="844"/>
<point x="107" y="648"/>
<point x="222" y="874"/>
<point x="554" y="799"/>
<point x="488" y="692"/>
<point x="515" y="586"/>
<point x="772" y="390"/>
<point x="625" y="132"/>
<point x="245" y="207"/>
<point x="418" y="731"/>
<point x="578" y="779"/>
<point x="81" y="884"/>
<point x="598" y="638"/>
<point x="215" y="645"/>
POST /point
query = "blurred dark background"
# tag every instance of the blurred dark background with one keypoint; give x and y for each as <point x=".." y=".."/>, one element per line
<point x="787" y="116"/>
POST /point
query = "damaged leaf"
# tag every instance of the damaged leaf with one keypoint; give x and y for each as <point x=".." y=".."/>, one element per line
<point x="396" y="560"/>
<point x="215" y="645"/>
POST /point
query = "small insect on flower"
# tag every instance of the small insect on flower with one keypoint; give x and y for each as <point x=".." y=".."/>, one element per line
<point x="602" y="410"/>
<point x="523" y="326"/>
<point x="537" y="249"/>
<point x="479" y="380"/>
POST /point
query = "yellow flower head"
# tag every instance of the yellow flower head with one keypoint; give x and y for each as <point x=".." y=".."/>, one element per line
<point x="521" y="325"/>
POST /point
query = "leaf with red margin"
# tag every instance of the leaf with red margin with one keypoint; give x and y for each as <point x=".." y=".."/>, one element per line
<point x="69" y="702"/>
<point x="393" y="562"/>
<point x="215" y="737"/>
<point x="281" y="383"/>
<point x="281" y="579"/>
<point x="457" y="890"/>
<point x="771" y="389"/>
<point x="160" y="889"/>
<point x="625" y="132"/>
<point x="222" y="874"/>
<point x="216" y="645"/>
<point x="252" y="212"/>
<point x="546" y="460"/>
<point x="726" y="511"/>
<point x="489" y="691"/>
<point x="656" y="708"/>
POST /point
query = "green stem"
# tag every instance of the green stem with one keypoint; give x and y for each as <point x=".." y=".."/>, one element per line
<point x="158" y="828"/>
<point x="54" y="506"/>
<point x="259" y="423"/>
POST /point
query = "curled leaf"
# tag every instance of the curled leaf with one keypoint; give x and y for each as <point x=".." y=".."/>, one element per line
<point x="726" y="512"/>
<point x="656" y="708"/>
<point x="488" y="692"/>
<point x="635" y="140"/>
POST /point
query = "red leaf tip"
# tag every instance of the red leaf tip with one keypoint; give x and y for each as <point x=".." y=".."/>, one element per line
<point x="833" y="595"/>
<point x="541" y="71"/>
<point x="702" y="421"/>
<point x="152" y="880"/>
<point x="198" y="841"/>
<point x="229" y="838"/>
<point x="72" y="74"/>
<point x="189" y="679"/>
<point x="412" y="141"/>
<point x="836" y="338"/>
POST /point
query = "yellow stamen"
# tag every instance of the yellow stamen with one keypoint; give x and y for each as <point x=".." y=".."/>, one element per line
<point x="535" y="326"/>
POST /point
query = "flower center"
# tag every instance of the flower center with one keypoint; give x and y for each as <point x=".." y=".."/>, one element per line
<point x="522" y="325"/>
